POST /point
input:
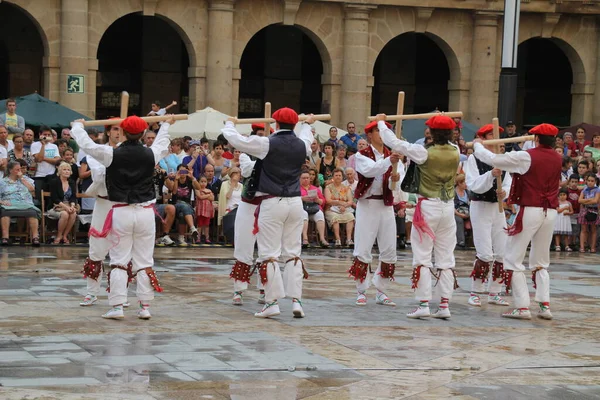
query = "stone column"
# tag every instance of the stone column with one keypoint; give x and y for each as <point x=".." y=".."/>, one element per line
<point x="582" y="102"/>
<point x="51" y="66"/>
<point x="331" y="98"/>
<point x="197" y="88"/>
<point x="74" y="52"/>
<point x="458" y="97"/>
<point x="219" y="73"/>
<point x="355" y="105"/>
<point x="482" y="102"/>
<point x="90" y="89"/>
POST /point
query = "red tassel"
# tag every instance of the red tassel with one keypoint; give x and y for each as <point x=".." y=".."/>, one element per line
<point x="416" y="275"/>
<point x="358" y="270"/>
<point x="419" y="222"/>
<point x="256" y="212"/>
<point x="240" y="272"/>
<point x="481" y="270"/>
<point x="387" y="271"/>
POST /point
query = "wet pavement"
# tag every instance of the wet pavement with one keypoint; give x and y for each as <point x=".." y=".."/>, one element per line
<point x="199" y="346"/>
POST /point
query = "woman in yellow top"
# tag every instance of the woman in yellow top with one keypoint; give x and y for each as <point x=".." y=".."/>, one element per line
<point x="338" y="209"/>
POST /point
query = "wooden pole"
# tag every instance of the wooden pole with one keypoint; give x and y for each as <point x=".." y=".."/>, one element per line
<point x="451" y="114"/>
<point x="267" y="115"/>
<point x="518" y="139"/>
<point x="399" y="111"/>
<point x="317" y="117"/>
<point x="124" y="104"/>
<point x="496" y="133"/>
<point x="102" y="122"/>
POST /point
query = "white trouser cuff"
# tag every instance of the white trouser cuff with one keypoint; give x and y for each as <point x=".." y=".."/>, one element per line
<point x="423" y="289"/>
<point x="118" y="287"/>
<point x="145" y="291"/>
<point x="292" y="278"/>
<point x="274" y="288"/>
<point x="542" y="283"/>
<point x="93" y="285"/>
<point x="520" y="291"/>
<point x="445" y="284"/>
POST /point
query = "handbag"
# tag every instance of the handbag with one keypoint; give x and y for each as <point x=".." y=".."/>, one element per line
<point x="311" y="207"/>
<point x="591" y="216"/>
<point x="412" y="179"/>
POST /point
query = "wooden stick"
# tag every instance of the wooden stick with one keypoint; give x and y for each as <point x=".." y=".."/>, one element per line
<point x="318" y="117"/>
<point x="451" y="114"/>
<point x="102" y="122"/>
<point x="518" y="139"/>
<point x="399" y="111"/>
<point x="496" y="133"/>
<point x="267" y="115"/>
<point x="124" y="104"/>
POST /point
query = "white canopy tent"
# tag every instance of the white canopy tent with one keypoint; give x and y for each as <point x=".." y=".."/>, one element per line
<point x="322" y="131"/>
<point x="204" y="123"/>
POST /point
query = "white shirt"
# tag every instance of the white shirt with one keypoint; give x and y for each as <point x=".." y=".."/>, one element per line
<point x="530" y="144"/>
<point x="4" y="156"/>
<point x="415" y="152"/>
<point x="352" y="185"/>
<point x="10" y="145"/>
<point x="51" y="151"/>
<point x="482" y="183"/>
<point x="514" y="161"/>
<point x="246" y="165"/>
<point x="376" y="169"/>
<point x="80" y="156"/>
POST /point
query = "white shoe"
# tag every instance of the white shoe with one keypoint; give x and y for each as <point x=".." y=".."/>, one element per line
<point x="125" y="305"/>
<point x="497" y="300"/>
<point x="350" y="243"/>
<point x="114" y="313"/>
<point x="261" y="298"/>
<point x="382" y="299"/>
<point x="269" y="310"/>
<point x="144" y="313"/>
<point x="297" y="309"/>
<point x="165" y="241"/>
<point x="442" y="313"/>
<point x="419" y="312"/>
<point x="475" y="301"/>
<point x="544" y="312"/>
<point x="518" y="313"/>
<point x="361" y="299"/>
<point x="88" y="300"/>
<point x="237" y="299"/>
<point x="181" y="242"/>
<point x="195" y="235"/>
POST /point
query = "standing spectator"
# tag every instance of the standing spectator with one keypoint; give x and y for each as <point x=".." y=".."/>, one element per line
<point x="582" y="170"/>
<point x="509" y="132"/>
<point x="340" y="157"/>
<point x="95" y="136"/>
<point x="4" y="142"/>
<point x="594" y="147"/>
<point x="351" y="138"/>
<point x="204" y="209"/>
<point x="362" y="144"/>
<point x="63" y="203"/>
<point x="566" y="171"/>
<point x="570" y="144"/>
<point x="351" y="180"/>
<point x="333" y="140"/>
<point x="580" y="143"/>
<point x="66" y="134"/>
<point x="214" y="183"/>
<point x="3" y="152"/>
<point x="28" y="136"/>
<point x="461" y="209"/>
<point x="177" y="149"/>
<point x="47" y="158"/>
<point x="19" y="153"/>
<point x="588" y="216"/>
<point x="562" y="224"/>
<point x="339" y="208"/>
<point x="327" y="163"/>
<point x="313" y="202"/>
<point x="13" y="122"/>
<point x="561" y="143"/>
<point x="16" y="201"/>
<point x="226" y="153"/>
<point x="573" y="198"/>
<point x="86" y="180"/>
<point x="315" y="155"/>
<point x="235" y="161"/>
<point x="426" y="135"/>
<point x="62" y="145"/>
<point x="217" y="160"/>
<point x="181" y="188"/>
<point x="196" y="160"/>
<point x="170" y="163"/>
<point x="149" y="138"/>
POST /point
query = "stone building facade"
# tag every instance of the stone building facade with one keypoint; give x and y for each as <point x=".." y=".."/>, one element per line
<point x="349" y="37"/>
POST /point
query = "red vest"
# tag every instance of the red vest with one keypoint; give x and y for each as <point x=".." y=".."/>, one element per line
<point x="365" y="183"/>
<point x="539" y="186"/>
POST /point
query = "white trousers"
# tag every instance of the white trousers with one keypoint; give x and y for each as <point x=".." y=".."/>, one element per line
<point x="489" y="236"/>
<point x="439" y="215"/>
<point x="135" y="229"/>
<point x="444" y="287"/>
<point x="280" y="225"/>
<point x="99" y="247"/>
<point x="538" y="228"/>
<point x="244" y="241"/>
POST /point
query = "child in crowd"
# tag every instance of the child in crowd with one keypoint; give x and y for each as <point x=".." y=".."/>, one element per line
<point x="588" y="216"/>
<point x="573" y="192"/>
<point x="562" y="223"/>
<point x="582" y="169"/>
<point x="204" y="209"/>
<point x="156" y="110"/>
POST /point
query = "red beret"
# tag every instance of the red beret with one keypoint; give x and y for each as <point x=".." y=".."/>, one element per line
<point x="544" y="129"/>
<point x="134" y="125"/>
<point x="107" y="127"/>
<point x="484" y="130"/>
<point x="373" y="124"/>
<point x="260" y="127"/>
<point x="441" y="122"/>
<point x="286" y="116"/>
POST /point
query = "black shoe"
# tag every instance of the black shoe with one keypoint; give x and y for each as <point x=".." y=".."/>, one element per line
<point x="401" y="245"/>
<point x="5" y="242"/>
<point x="461" y="246"/>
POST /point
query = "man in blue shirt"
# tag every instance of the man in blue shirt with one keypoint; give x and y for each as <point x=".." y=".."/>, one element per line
<point x="426" y="135"/>
<point x="197" y="160"/>
<point x="351" y="138"/>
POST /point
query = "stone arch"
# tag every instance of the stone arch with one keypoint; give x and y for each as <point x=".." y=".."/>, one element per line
<point x="35" y="15"/>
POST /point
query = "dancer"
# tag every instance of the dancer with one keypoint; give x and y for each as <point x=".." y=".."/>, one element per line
<point x="434" y="227"/>
<point x="536" y="180"/>
<point x="129" y="173"/>
<point x="280" y="214"/>
<point x="489" y="224"/>
<point x="375" y="216"/>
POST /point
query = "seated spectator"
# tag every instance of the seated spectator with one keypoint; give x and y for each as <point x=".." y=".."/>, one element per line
<point x="559" y="142"/>
<point x="461" y="209"/>
<point x="340" y="156"/>
<point x="230" y="196"/>
<point x="214" y="183"/>
<point x="217" y="160"/>
<point x="63" y="202"/>
<point x="16" y="200"/>
<point x="327" y="163"/>
<point x="66" y="134"/>
<point x="339" y="208"/>
<point x="164" y="222"/>
<point x="69" y="158"/>
<point x="181" y="187"/>
<point x="351" y="138"/>
<point x="85" y="176"/>
<point x="170" y="163"/>
<point x="313" y="202"/>
<point x="351" y="180"/>
<point x="316" y="179"/>
<point x="594" y="147"/>
<point x="362" y="144"/>
<point x="582" y="170"/>
<point x="20" y="153"/>
<point x="333" y="140"/>
<point x="589" y="218"/>
<point x="580" y="143"/>
<point x="205" y="211"/>
<point x="315" y="154"/>
<point x="5" y="143"/>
